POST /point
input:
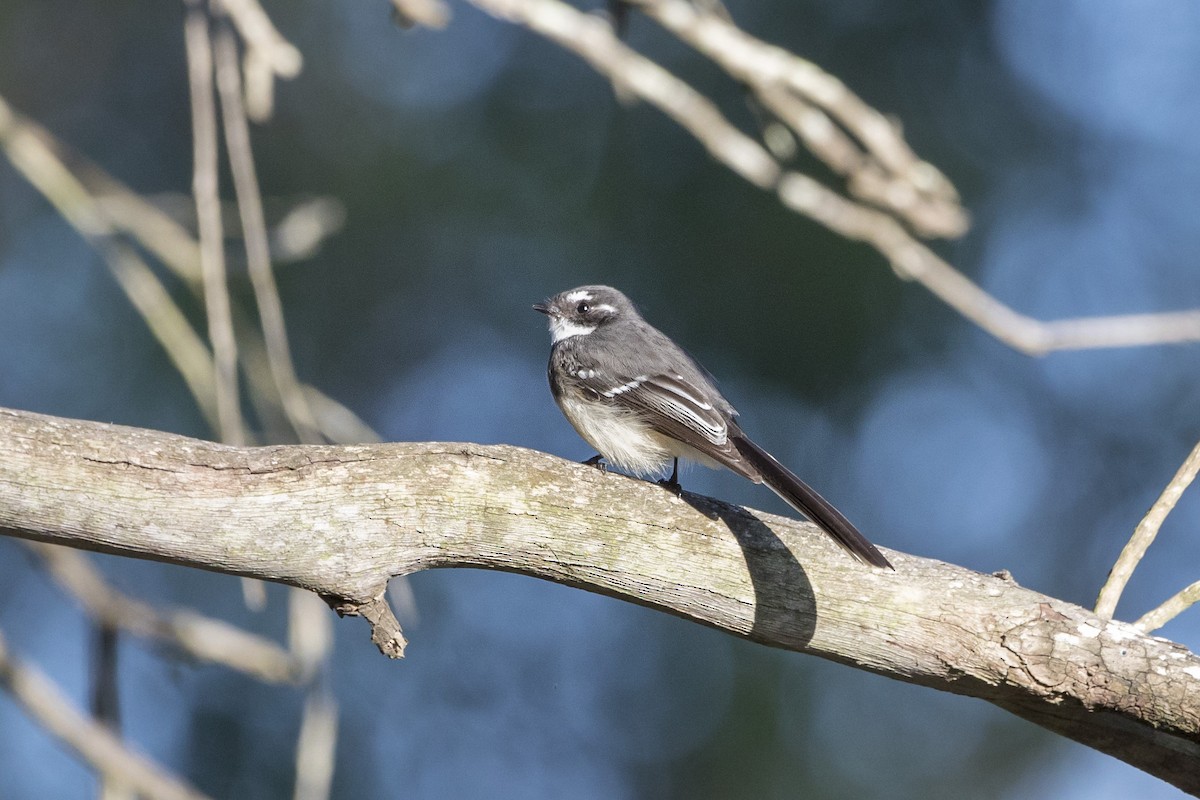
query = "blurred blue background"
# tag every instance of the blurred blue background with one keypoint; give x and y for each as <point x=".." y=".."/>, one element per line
<point x="483" y="169"/>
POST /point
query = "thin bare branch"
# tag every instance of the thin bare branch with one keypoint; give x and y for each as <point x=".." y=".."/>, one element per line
<point x="167" y="322"/>
<point x="158" y="222"/>
<point x="268" y="55"/>
<point x="767" y="66"/>
<point x="127" y="212"/>
<point x="310" y="630"/>
<point x="880" y="166"/>
<point x="310" y="640"/>
<point x="205" y="188"/>
<point x="316" y="746"/>
<point x="106" y="702"/>
<point x="1178" y="603"/>
<point x="72" y="190"/>
<point x="1144" y="535"/>
<point x="254" y="234"/>
<point x="913" y="260"/>
<point x="593" y="39"/>
<point x="196" y="636"/>
<point x="34" y="153"/>
<point x="430" y="13"/>
<point x="111" y="758"/>
<point x="301" y="231"/>
<point x="338" y="423"/>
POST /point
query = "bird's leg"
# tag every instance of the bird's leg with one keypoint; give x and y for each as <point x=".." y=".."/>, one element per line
<point x="672" y="483"/>
<point x="596" y="461"/>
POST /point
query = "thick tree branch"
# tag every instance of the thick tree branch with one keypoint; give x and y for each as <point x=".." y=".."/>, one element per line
<point x="342" y="520"/>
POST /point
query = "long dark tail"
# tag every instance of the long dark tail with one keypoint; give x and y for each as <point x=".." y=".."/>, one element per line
<point x="804" y="499"/>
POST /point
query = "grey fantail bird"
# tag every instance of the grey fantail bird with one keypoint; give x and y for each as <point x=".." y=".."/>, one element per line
<point x="643" y="402"/>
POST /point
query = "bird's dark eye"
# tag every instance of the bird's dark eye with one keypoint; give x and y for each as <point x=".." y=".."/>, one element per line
<point x="583" y="308"/>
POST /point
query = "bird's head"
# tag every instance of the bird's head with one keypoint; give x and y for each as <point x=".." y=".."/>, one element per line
<point x="578" y="312"/>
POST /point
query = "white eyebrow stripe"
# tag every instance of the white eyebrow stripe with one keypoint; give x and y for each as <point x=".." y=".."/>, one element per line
<point x="577" y="295"/>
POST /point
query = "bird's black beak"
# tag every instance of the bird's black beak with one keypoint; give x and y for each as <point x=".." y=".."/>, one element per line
<point x="542" y="307"/>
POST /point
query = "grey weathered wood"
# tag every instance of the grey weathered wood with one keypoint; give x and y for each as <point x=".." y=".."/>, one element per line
<point x="343" y="520"/>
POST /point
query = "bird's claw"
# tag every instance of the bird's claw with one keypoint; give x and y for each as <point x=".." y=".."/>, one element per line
<point x="671" y="486"/>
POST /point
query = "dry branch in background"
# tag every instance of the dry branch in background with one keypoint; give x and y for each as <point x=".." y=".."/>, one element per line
<point x="98" y="746"/>
<point x="105" y="212"/>
<point x="898" y="190"/>
<point x="213" y="72"/>
<point x="851" y="138"/>
<point x="254" y="234"/>
<point x="33" y="153"/>
<point x="341" y="521"/>
<point x="1143" y="536"/>
<point x="198" y="637"/>
<point x="267" y="55"/>
<point x="206" y="190"/>
<point x="1047" y="661"/>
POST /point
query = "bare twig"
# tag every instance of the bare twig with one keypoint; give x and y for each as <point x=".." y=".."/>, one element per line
<point x="268" y="55"/>
<point x="106" y="703"/>
<point x="883" y="170"/>
<point x="310" y="640"/>
<point x="254" y="234"/>
<point x="158" y="222"/>
<point x="316" y="746"/>
<point x="338" y="423"/>
<point x="1178" y="603"/>
<point x="1144" y="534"/>
<point x="593" y="40"/>
<point x="430" y="13"/>
<point x="299" y="233"/>
<point x="913" y="260"/>
<point x="73" y="191"/>
<point x="47" y="704"/>
<point x="196" y="636"/>
<point x="127" y="212"/>
<point x="208" y="215"/>
<point x="188" y="353"/>
<point x="310" y="631"/>
<point x="385" y="628"/>
<point x="32" y="151"/>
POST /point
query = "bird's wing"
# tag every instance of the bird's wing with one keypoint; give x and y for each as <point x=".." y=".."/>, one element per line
<point x="669" y="403"/>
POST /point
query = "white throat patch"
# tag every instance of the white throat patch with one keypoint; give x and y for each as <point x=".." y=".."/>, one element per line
<point x="564" y="329"/>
